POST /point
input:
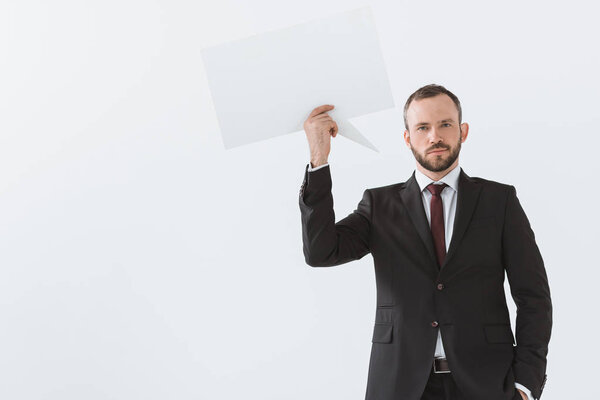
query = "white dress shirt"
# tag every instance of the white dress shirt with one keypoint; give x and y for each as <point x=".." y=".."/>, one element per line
<point x="449" y="197"/>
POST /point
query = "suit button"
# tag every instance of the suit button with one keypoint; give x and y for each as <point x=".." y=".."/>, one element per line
<point x="440" y="286"/>
<point x="434" y="324"/>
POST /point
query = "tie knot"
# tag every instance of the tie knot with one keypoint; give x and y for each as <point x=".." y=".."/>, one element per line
<point x="435" y="190"/>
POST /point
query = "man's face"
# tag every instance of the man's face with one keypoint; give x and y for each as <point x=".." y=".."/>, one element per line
<point x="434" y="134"/>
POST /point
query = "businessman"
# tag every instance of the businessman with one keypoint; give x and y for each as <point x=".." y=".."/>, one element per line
<point x="441" y="243"/>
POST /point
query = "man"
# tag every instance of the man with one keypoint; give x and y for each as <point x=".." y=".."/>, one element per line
<point x="441" y="243"/>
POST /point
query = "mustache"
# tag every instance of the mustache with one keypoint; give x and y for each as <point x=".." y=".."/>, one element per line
<point x="437" y="148"/>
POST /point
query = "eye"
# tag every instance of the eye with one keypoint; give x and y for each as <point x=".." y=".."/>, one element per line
<point x="421" y="127"/>
<point x="447" y="124"/>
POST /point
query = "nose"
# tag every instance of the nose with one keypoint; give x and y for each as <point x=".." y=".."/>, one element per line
<point x="434" y="137"/>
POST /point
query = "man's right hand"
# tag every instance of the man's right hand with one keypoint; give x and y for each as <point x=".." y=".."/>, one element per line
<point x="319" y="128"/>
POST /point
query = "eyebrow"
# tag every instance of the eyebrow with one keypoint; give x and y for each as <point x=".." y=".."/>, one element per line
<point x="439" y="122"/>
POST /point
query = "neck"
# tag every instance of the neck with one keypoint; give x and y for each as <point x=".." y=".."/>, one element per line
<point x="436" y="176"/>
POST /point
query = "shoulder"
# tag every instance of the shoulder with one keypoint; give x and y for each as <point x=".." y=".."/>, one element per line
<point x="386" y="189"/>
<point x="492" y="186"/>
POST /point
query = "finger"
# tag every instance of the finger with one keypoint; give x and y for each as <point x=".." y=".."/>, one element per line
<point x="320" y="109"/>
<point x="322" y="117"/>
<point x="333" y="128"/>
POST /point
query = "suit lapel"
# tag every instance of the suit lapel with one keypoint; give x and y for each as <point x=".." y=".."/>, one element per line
<point x="411" y="197"/>
<point x="468" y="194"/>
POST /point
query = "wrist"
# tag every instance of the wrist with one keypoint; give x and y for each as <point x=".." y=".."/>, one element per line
<point x="314" y="163"/>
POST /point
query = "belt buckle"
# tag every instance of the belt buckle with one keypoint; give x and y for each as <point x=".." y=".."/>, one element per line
<point x="435" y="370"/>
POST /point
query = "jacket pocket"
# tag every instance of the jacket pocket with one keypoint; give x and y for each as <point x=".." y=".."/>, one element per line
<point x="382" y="332"/>
<point x="498" y="333"/>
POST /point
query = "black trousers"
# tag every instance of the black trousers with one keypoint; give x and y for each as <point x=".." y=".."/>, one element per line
<point x="443" y="387"/>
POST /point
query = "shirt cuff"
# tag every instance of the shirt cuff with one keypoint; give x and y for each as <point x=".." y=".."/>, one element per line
<point x="524" y="389"/>
<point x="310" y="168"/>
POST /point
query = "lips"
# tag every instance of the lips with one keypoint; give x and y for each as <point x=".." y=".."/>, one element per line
<point x="437" y="151"/>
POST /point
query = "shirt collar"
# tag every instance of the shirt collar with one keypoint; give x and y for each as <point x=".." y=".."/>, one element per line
<point x="450" y="179"/>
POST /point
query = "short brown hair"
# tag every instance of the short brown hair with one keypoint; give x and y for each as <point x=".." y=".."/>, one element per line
<point x="431" y="91"/>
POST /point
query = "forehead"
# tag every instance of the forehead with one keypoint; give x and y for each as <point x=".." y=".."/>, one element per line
<point x="431" y="109"/>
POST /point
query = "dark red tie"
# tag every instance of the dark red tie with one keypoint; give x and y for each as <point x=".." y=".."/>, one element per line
<point x="437" y="221"/>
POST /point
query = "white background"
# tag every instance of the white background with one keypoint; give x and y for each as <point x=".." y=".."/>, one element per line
<point x="139" y="259"/>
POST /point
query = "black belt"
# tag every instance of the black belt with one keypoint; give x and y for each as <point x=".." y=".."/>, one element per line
<point x="440" y="366"/>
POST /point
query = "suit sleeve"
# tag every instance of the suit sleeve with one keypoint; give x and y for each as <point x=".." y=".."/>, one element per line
<point x="326" y="243"/>
<point x="531" y="293"/>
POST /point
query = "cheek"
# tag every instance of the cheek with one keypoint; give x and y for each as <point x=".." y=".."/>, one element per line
<point x="414" y="139"/>
<point x="419" y="144"/>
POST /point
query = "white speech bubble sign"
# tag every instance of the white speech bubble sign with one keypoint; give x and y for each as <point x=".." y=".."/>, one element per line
<point x="266" y="85"/>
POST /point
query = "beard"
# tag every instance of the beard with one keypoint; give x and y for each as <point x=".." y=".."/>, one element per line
<point x="438" y="163"/>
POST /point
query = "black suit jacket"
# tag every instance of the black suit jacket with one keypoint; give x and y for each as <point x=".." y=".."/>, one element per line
<point x="465" y="298"/>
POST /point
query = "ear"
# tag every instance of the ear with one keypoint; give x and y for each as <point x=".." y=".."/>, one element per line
<point x="407" y="138"/>
<point x="464" y="132"/>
